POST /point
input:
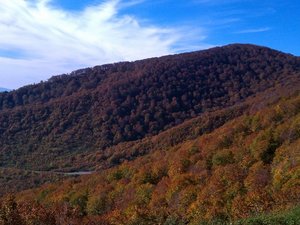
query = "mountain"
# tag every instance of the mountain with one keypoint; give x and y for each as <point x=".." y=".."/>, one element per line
<point x="208" y="137"/>
<point x="46" y="126"/>
<point x="3" y="89"/>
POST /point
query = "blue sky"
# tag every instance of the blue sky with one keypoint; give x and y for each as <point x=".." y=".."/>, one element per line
<point x="41" y="38"/>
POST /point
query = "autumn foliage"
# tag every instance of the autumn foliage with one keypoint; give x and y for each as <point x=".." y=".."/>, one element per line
<point x="247" y="167"/>
<point x="209" y="137"/>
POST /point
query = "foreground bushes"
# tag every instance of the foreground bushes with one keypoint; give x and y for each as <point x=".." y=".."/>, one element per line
<point x="291" y="217"/>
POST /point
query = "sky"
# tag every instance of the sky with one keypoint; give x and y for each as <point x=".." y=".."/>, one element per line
<point x="42" y="38"/>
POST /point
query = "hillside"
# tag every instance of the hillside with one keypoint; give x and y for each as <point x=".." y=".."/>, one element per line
<point x="208" y="137"/>
<point x="95" y="109"/>
<point x="248" y="167"/>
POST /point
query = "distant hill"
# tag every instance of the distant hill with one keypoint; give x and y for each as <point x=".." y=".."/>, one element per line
<point x="43" y="126"/>
<point x="3" y="89"/>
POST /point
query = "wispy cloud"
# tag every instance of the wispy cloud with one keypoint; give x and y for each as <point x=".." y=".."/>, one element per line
<point x="38" y="40"/>
<point x="256" y="30"/>
<point x="218" y="2"/>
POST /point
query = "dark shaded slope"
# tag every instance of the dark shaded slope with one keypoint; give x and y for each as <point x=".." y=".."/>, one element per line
<point x="105" y="105"/>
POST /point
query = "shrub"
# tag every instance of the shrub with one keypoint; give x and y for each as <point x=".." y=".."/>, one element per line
<point x="222" y="158"/>
<point x="291" y="217"/>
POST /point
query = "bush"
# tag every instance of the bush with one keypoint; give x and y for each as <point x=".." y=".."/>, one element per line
<point x="222" y="158"/>
<point x="97" y="205"/>
<point x="291" y="217"/>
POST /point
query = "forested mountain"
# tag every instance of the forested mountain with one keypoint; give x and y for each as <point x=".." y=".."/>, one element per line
<point x="208" y="137"/>
<point x="95" y="109"/>
<point x="234" y="174"/>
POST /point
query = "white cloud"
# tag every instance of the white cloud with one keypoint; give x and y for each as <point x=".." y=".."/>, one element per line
<point x="256" y="30"/>
<point x="218" y="2"/>
<point x="51" y="41"/>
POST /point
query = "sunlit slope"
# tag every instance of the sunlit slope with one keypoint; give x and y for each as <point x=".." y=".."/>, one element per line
<point x="245" y="168"/>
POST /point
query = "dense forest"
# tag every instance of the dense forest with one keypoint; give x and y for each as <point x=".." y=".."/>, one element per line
<point x="235" y="174"/>
<point x="95" y="108"/>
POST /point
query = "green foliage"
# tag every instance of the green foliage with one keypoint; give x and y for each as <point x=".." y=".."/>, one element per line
<point x="143" y="194"/>
<point x="291" y="217"/>
<point x="116" y="175"/>
<point x="151" y="176"/>
<point x="278" y="114"/>
<point x="193" y="150"/>
<point x="268" y="155"/>
<point x="286" y="174"/>
<point x="120" y="173"/>
<point x="42" y="195"/>
<point x="174" y="220"/>
<point x="226" y="142"/>
<point x="265" y="144"/>
<point x="97" y="205"/>
<point x="255" y="124"/>
<point x="79" y="201"/>
<point x="222" y="158"/>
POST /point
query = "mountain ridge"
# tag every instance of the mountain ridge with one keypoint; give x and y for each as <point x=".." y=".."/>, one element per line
<point x="113" y="66"/>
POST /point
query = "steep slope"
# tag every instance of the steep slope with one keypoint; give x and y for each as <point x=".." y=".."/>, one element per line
<point x="247" y="167"/>
<point x="13" y="179"/>
<point x="95" y="108"/>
